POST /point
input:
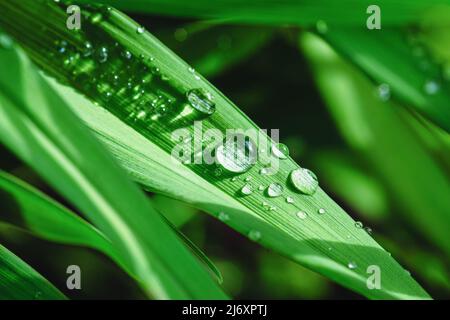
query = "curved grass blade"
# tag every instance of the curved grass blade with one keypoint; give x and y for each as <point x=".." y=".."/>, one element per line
<point x="387" y="58"/>
<point x="326" y="243"/>
<point x="294" y="12"/>
<point x="18" y="281"/>
<point x="37" y="126"/>
<point x="374" y="129"/>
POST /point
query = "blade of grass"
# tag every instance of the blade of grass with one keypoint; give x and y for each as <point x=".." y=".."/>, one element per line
<point x="325" y="243"/>
<point x="295" y="12"/>
<point x="388" y="59"/>
<point x="36" y="125"/>
<point x="18" y="281"/>
<point x="374" y="129"/>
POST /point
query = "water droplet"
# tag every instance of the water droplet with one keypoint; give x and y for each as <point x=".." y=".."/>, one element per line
<point x="61" y="46"/>
<point x="304" y="180"/>
<point x="301" y="214"/>
<point x="321" y="27"/>
<point x="127" y="54"/>
<point x="87" y="49"/>
<point x="234" y="179"/>
<point x="289" y="199"/>
<point x="431" y="87"/>
<point x="280" y="151"/>
<point x="261" y="188"/>
<point x="237" y="154"/>
<point x="359" y="224"/>
<point x="254" y="235"/>
<point x="102" y="55"/>
<point x="223" y="216"/>
<point x="368" y="230"/>
<point x="38" y="295"/>
<point x="321" y="211"/>
<point x="248" y="179"/>
<point x="202" y="101"/>
<point x="140" y="30"/>
<point x="218" y="172"/>
<point x="5" y="41"/>
<point x="264" y="171"/>
<point x="384" y="92"/>
<point x="352" y="265"/>
<point x="246" y="189"/>
<point x="96" y="18"/>
<point x="274" y="190"/>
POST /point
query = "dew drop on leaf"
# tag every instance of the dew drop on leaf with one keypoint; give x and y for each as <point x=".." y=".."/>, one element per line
<point x="289" y="199"/>
<point x="321" y="211"/>
<point x="223" y="216"/>
<point x="274" y="190"/>
<point x="202" y="101"/>
<point x="140" y="30"/>
<point x="281" y="151"/>
<point x="359" y="224"/>
<point x="304" y="180"/>
<point x="246" y="189"/>
<point x="384" y="92"/>
<point x="254" y="235"/>
<point x="431" y="87"/>
<point x="352" y="265"/>
<point x="301" y="214"/>
<point x="236" y="154"/>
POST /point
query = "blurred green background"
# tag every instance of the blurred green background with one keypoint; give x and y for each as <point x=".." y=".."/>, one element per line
<point x="264" y="71"/>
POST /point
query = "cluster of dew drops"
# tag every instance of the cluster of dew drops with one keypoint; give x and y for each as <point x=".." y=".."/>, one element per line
<point x="301" y="179"/>
<point x="107" y="69"/>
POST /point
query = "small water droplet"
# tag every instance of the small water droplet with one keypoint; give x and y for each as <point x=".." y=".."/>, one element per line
<point x="223" y="216"/>
<point x="281" y="151"/>
<point x="246" y="189"/>
<point x="61" y="46"/>
<point x="368" y="230"/>
<point x="359" y="224"/>
<point x="202" y="101"/>
<point x="352" y="265"/>
<point x="431" y="87"/>
<point x="38" y="295"/>
<point x="87" y="49"/>
<point x="218" y="172"/>
<point x="254" y="235"/>
<point x="237" y="154"/>
<point x="261" y="188"/>
<point x="102" y="55"/>
<point x="5" y="41"/>
<point x="321" y="27"/>
<point x="274" y="190"/>
<point x="321" y="211"/>
<point x="289" y="199"/>
<point x="127" y="54"/>
<point x="248" y="179"/>
<point x="384" y="92"/>
<point x="301" y="214"/>
<point x="304" y="180"/>
<point x="140" y="30"/>
<point x="263" y="171"/>
<point x="234" y="179"/>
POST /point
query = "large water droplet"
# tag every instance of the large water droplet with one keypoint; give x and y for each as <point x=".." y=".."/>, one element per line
<point x="274" y="190"/>
<point x="254" y="235"/>
<point x="247" y="189"/>
<point x="304" y="180"/>
<point x="202" y="101"/>
<point x="352" y="265"/>
<point x="280" y="151"/>
<point x="237" y="154"/>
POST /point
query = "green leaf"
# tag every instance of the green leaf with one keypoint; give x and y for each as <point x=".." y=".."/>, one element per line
<point x="38" y="127"/>
<point x="305" y="12"/>
<point x="213" y="48"/>
<point x="326" y="243"/>
<point x="33" y="211"/>
<point x="388" y="59"/>
<point x="375" y="129"/>
<point x="19" y="281"/>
